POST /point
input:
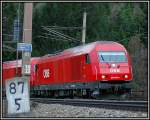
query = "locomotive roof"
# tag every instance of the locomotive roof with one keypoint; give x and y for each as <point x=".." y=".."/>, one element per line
<point x="90" y="46"/>
<point x="82" y="49"/>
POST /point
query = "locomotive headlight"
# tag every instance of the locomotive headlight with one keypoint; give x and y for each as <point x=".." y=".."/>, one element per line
<point x="126" y="76"/>
<point x="103" y="76"/>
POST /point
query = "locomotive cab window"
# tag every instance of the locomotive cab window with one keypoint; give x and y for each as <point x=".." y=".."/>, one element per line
<point x="112" y="56"/>
<point x="87" y="59"/>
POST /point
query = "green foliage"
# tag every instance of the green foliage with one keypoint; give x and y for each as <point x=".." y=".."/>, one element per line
<point x="126" y="23"/>
<point x="139" y="58"/>
<point x="105" y="21"/>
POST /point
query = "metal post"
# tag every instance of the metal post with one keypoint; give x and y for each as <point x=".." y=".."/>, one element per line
<point x="84" y="28"/>
<point x="27" y="33"/>
<point x="27" y="38"/>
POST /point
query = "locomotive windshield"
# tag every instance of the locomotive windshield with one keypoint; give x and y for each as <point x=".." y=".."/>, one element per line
<point x="112" y="57"/>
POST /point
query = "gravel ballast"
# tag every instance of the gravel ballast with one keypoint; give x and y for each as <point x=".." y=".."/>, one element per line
<point x="58" y="110"/>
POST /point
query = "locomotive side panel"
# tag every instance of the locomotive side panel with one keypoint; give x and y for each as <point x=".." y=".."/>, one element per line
<point x="72" y="69"/>
<point x="88" y="71"/>
<point x="67" y="70"/>
<point x="60" y="71"/>
<point x="76" y="69"/>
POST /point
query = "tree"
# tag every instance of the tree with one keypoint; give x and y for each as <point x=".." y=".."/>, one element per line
<point x="139" y="63"/>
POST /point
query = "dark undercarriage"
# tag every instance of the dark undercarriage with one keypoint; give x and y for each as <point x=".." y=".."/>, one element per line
<point x="86" y="89"/>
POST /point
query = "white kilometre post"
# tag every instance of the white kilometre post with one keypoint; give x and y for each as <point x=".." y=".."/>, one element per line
<point x="84" y="28"/>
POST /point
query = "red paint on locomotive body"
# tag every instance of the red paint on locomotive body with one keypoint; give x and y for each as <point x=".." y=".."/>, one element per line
<point x="97" y="61"/>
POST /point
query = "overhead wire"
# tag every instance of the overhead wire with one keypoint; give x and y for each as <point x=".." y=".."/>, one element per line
<point x="60" y="34"/>
<point x="54" y="36"/>
<point x="64" y="28"/>
<point x="10" y="48"/>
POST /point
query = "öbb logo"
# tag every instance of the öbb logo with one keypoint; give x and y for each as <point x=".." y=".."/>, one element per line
<point x="46" y="73"/>
<point x="114" y="70"/>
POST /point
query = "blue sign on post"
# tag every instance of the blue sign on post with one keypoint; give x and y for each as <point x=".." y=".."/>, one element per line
<point x="26" y="47"/>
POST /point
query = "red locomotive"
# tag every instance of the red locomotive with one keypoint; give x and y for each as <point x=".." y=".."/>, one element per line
<point x="80" y="70"/>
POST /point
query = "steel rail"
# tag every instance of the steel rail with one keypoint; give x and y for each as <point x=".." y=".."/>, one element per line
<point x="113" y="104"/>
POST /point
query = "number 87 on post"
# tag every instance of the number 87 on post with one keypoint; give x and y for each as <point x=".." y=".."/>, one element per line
<point x="17" y="93"/>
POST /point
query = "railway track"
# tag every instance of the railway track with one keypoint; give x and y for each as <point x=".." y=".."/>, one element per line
<point x="111" y="104"/>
